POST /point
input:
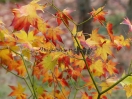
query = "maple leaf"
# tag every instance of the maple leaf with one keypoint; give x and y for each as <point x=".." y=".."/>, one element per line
<point x="62" y="94"/>
<point x="5" y="54"/>
<point x="74" y="72"/>
<point x="18" y="92"/>
<point x="26" y="53"/>
<point x="86" y="96"/>
<point x="42" y="26"/>
<point x="24" y="16"/>
<point x="27" y="40"/>
<point x="127" y="22"/>
<point x="95" y="36"/>
<point x="64" y="15"/>
<point x="107" y="84"/>
<point x="46" y="95"/>
<point x="97" y="68"/>
<point x="98" y="15"/>
<point x="25" y="37"/>
<point x="56" y="74"/>
<point x="48" y="62"/>
<point x="64" y="59"/>
<point x="110" y="67"/>
<point x="110" y="32"/>
<point x="128" y="89"/>
<point x="95" y="39"/>
<point x="81" y="63"/>
<point x="48" y="77"/>
<point x="37" y="71"/>
<point x="126" y="81"/>
<point x="120" y="42"/>
<point x="53" y="34"/>
<point x="79" y="37"/>
<point x="20" y="69"/>
<point x="88" y="82"/>
<point x="104" y="50"/>
<point x="6" y="38"/>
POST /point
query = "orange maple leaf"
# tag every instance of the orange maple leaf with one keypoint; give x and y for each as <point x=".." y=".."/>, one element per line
<point x="20" y="69"/>
<point x="62" y="94"/>
<point x="86" y="96"/>
<point x="53" y="34"/>
<point x="98" y="15"/>
<point x="64" y="15"/>
<point x="110" y="67"/>
<point x="18" y="92"/>
<point x="110" y="32"/>
<point x="24" y="16"/>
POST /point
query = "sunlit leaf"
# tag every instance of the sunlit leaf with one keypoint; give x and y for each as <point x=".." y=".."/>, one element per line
<point x="18" y="92"/>
<point x="24" y="16"/>
<point x="99" y="15"/>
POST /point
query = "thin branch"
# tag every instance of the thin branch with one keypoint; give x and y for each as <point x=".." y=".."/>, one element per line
<point x="19" y="77"/>
<point x="58" y="84"/>
<point x="112" y="86"/>
<point x="83" y="58"/>
<point x="26" y="70"/>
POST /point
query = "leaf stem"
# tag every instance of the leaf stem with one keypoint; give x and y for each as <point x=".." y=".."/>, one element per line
<point x="58" y="84"/>
<point x="83" y="59"/>
<point x="26" y="71"/>
<point x="19" y="77"/>
<point x="113" y="85"/>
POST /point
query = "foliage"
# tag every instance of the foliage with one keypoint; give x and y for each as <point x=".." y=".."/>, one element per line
<point x="35" y="50"/>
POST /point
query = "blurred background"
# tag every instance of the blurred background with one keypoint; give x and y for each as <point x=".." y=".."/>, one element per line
<point x="117" y="10"/>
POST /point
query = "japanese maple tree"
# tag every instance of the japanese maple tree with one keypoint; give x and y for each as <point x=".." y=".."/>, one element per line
<point x="34" y="51"/>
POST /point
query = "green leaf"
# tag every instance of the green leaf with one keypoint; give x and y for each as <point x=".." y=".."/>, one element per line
<point x="39" y="90"/>
<point x="126" y="81"/>
<point x="48" y="62"/>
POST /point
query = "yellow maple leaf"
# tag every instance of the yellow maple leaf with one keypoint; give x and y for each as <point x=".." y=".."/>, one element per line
<point x="42" y="26"/>
<point x="27" y="40"/>
<point x="128" y="89"/>
<point x="97" y="68"/>
<point x="26" y="53"/>
<point x="95" y="36"/>
<point x="104" y="50"/>
<point x="25" y="37"/>
<point x="5" y="54"/>
<point x="120" y="42"/>
<point x="107" y="84"/>
<point x="95" y="39"/>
